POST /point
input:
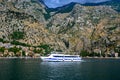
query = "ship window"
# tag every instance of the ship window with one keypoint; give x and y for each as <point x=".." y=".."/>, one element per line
<point x="71" y="56"/>
<point x="58" y="56"/>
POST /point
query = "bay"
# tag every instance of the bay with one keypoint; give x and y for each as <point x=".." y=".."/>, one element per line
<point x="35" y="69"/>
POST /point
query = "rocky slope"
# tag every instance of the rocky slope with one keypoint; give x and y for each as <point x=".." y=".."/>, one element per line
<point x="71" y="28"/>
<point x="25" y="16"/>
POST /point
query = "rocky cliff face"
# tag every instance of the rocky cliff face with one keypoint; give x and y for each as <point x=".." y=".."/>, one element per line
<point x="25" y="16"/>
<point x="76" y="28"/>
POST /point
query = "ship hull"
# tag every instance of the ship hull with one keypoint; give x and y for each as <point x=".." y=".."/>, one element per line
<point x="60" y="59"/>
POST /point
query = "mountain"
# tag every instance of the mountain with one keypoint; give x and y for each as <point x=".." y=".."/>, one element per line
<point x="23" y="16"/>
<point x="72" y="28"/>
<point x="115" y="4"/>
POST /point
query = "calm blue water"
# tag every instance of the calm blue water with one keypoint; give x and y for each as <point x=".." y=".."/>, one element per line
<point x="34" y="69"/>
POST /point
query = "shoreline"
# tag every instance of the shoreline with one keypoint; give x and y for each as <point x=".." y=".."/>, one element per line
<point x="40" y="57"/>
<point x="100" y="57"/>
<point x="20" y="58"/>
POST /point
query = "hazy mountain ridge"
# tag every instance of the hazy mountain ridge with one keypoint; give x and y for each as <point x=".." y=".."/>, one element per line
<point x="82" y="27"/>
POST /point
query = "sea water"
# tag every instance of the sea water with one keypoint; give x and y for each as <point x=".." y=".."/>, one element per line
<point x="35" y="69"/>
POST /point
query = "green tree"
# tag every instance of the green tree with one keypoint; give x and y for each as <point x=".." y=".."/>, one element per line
<point x="19" y="43"/>
<point x="16" y="35"/>
<point x="14" y="49"/>
<point x="23" y="53"/>
<point x="1" y="40"/>
<point x="46" y="47"/>
<point x="2" y="49"/>
<point x="37" y="51"/>
<point x="84" y="53"/>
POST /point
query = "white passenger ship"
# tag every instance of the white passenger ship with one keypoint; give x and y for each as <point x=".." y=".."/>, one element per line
<point x="61" y="57"/>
